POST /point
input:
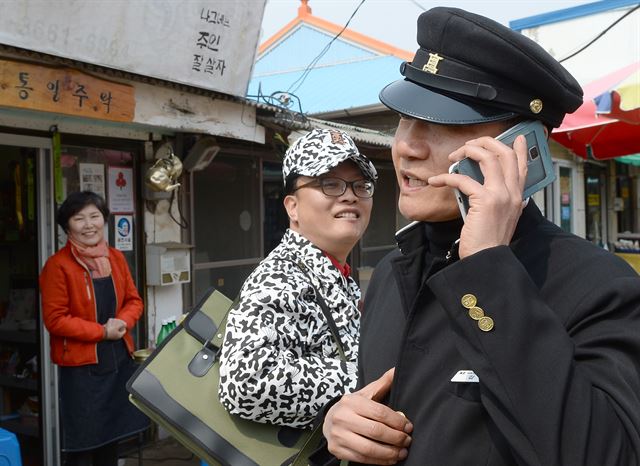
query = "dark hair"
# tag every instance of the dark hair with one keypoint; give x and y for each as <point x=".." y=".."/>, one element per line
<point x="77" y="201"/>
<point x="290" y="183"/>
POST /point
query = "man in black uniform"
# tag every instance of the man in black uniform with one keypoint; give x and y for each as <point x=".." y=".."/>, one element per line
<point x="519" y="344"/>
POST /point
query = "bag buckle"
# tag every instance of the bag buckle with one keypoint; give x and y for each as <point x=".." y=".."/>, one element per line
<point x="204" y="359"/>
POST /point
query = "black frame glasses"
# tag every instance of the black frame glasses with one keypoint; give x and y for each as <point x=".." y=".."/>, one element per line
<point x="336" y="187"/>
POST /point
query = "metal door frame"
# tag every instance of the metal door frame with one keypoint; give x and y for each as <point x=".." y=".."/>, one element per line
<point x="557" y="214"/>
<point x="46" y="230"/>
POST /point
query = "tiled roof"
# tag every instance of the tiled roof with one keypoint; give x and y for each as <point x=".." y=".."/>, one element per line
<point x="301" y="46"/>
<point x="329" y="88"/>
<point x="349" y="75"/>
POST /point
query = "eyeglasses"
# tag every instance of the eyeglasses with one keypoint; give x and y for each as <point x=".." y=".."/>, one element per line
<point x="336" y="187"/>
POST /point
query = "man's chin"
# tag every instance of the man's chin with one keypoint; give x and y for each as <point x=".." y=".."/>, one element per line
<point x="426" y="212"/>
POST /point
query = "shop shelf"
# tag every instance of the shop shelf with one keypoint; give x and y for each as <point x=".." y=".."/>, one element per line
<point x="17" y="336"/>
<point x="26" y="384"/>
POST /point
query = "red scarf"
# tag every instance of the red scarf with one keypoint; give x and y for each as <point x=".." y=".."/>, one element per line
<point x="95" y="258"/>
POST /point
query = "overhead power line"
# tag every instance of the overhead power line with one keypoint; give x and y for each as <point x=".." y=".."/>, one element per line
<point x="582" y="48"/>
<point x="601" y="34"/>
<point x="298" y="82"/>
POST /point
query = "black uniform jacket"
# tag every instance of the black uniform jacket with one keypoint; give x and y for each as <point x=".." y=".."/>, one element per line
<point x="559" y="374"/>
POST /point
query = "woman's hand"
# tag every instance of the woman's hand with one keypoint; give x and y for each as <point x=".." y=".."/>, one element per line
<point x="358" y="428"/>
<point x="114" y="329"/>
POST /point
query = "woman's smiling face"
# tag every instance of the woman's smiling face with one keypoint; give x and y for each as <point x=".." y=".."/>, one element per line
<point x="86" y="227"/>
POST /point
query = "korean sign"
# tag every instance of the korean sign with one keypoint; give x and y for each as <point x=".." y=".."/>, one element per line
<point x="204" y="43"/>
<point x="63" y="90"/>
<point x="121" y="189"/>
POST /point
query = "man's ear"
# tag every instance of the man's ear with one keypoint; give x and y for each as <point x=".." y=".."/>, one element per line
<point x="291" y="206"/>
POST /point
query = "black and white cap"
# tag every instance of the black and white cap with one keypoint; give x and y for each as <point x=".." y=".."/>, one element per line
<point x="320" y="150"/>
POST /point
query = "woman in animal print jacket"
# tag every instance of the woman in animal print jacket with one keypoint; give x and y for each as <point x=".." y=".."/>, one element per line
<point x="280" y="363"/>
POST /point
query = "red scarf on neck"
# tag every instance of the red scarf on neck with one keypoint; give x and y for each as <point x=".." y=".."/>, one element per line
<point x="95" y="258"/>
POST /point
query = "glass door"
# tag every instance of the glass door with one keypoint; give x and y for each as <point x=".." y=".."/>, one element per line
<point x="27" y="385"/>
<point x="563" y="197"/>
<point x="227" y="224"/>
<point x="595" y="192"/>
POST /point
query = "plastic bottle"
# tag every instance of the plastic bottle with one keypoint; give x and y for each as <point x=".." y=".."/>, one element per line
<point x="172" y="323"/>
<point x="164" y="331"/>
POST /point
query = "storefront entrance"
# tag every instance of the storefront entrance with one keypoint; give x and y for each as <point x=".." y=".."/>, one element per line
<point x="25" y="241"/>
<point x="596" y="205"/>
<point x="28" y="237"/>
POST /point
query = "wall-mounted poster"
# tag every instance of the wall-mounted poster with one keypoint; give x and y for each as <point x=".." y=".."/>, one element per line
<point x="121" y="189"/>
<point x="124" y="232"/>
<point x="92" y="177"/>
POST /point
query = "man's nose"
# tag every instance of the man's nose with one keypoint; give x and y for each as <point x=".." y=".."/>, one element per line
<point x="413" y="141"/>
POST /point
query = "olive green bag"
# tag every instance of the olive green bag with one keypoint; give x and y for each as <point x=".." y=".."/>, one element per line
<point x="177" y="387"/>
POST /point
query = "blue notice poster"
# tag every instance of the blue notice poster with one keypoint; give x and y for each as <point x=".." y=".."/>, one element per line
<point x="124" y="232"/>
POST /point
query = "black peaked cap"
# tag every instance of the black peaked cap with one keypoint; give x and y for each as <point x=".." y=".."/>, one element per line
<point x="470" y="69"/>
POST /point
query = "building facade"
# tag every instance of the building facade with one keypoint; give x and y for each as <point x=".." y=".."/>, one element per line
<point x="88" y="103"/>
<point x="594" y="41"/>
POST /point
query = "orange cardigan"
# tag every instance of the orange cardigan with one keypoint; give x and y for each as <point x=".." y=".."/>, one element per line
<point x="69" y="307"/>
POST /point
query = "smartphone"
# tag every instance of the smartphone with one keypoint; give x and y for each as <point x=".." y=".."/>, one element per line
<point x="540" y="171"/>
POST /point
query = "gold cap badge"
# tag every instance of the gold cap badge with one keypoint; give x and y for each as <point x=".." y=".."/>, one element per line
<point x="432" y="65"/>
<point x="536" y="106"/>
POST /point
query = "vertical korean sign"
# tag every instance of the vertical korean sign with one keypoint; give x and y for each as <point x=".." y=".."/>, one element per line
<point x="209" y="44"/>
<point x="213" y="30"/>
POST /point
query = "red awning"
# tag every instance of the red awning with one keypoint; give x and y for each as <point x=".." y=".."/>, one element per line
<point x="588" y="133"/>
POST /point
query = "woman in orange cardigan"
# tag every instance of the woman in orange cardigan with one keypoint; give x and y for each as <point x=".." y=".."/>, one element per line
<point x="90" y="305"/>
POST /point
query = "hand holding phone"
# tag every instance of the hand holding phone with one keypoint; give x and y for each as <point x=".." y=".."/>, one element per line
<point x="540" y="171"/>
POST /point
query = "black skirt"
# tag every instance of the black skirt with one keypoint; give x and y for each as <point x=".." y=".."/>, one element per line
<point x="94" y="405"/>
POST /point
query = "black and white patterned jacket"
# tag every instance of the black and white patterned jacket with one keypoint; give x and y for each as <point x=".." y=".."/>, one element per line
<point x="279" y="363"/>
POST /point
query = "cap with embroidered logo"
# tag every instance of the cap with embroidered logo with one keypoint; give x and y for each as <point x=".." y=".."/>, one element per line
<point x="320" y="150"/>
<point x="470" y="69"/>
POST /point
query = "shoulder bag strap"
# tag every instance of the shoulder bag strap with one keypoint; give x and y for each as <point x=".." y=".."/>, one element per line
<point x="218" y="337"/>
<point x="333" y="328"/>
<point x="311" y="444"/>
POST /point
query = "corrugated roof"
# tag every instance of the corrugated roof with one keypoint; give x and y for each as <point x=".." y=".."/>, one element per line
<point x="358" y="133"/>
